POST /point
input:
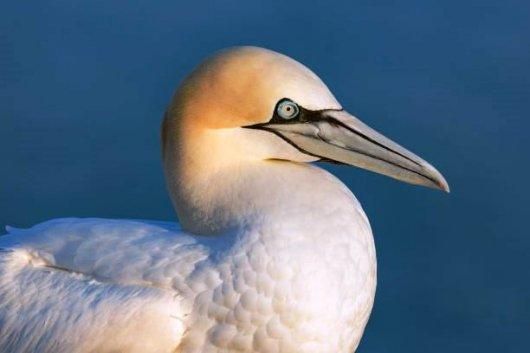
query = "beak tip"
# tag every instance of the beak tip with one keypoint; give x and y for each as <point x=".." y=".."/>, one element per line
<point x="439" y="180"/>
<point x="444" y="186"/>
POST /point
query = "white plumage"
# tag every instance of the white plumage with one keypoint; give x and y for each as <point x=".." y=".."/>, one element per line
<point x="274" y="255"/>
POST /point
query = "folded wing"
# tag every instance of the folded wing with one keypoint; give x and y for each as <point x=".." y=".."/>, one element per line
<point x="93" y="285"/>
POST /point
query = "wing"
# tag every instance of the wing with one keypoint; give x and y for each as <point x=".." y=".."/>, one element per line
<point x="93" y="285"/>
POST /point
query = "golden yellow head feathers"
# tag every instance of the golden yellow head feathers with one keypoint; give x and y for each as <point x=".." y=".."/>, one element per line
<point x="241" y="86"/>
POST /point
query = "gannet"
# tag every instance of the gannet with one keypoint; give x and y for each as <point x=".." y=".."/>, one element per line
<point x="272" y="254"/>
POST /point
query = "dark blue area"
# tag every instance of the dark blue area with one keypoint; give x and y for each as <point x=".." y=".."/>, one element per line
<point x="83" y="86"/>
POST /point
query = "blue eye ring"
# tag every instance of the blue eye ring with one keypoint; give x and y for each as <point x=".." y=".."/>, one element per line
<point x="288" y="110"/>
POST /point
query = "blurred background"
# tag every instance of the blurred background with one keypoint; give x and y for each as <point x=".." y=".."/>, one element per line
<point x="83" y="86"/>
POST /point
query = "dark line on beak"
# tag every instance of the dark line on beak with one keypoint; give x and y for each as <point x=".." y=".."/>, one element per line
<point x="324" y="159"/>
<point x="263" y="127"/>
<point x="358" y="133"/>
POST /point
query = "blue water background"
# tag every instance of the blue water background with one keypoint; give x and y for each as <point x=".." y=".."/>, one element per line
<point x="83" y="86"/>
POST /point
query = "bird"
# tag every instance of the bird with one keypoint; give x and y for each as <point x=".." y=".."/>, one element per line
<point x="271" y="253"/>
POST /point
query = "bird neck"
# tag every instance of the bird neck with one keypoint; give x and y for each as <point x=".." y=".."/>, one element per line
<point x="213" y="194"/>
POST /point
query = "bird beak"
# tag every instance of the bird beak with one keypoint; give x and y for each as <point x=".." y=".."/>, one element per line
<point x="335" y="135"/>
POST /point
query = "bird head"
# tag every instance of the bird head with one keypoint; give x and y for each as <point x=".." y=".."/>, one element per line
<point x="253" y="104"/>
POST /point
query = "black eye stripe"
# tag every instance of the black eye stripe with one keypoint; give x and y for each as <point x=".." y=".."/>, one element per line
<point x="304" y="115"/>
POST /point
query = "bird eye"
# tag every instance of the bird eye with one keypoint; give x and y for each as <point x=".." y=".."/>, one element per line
<point x="287" y="110"/>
